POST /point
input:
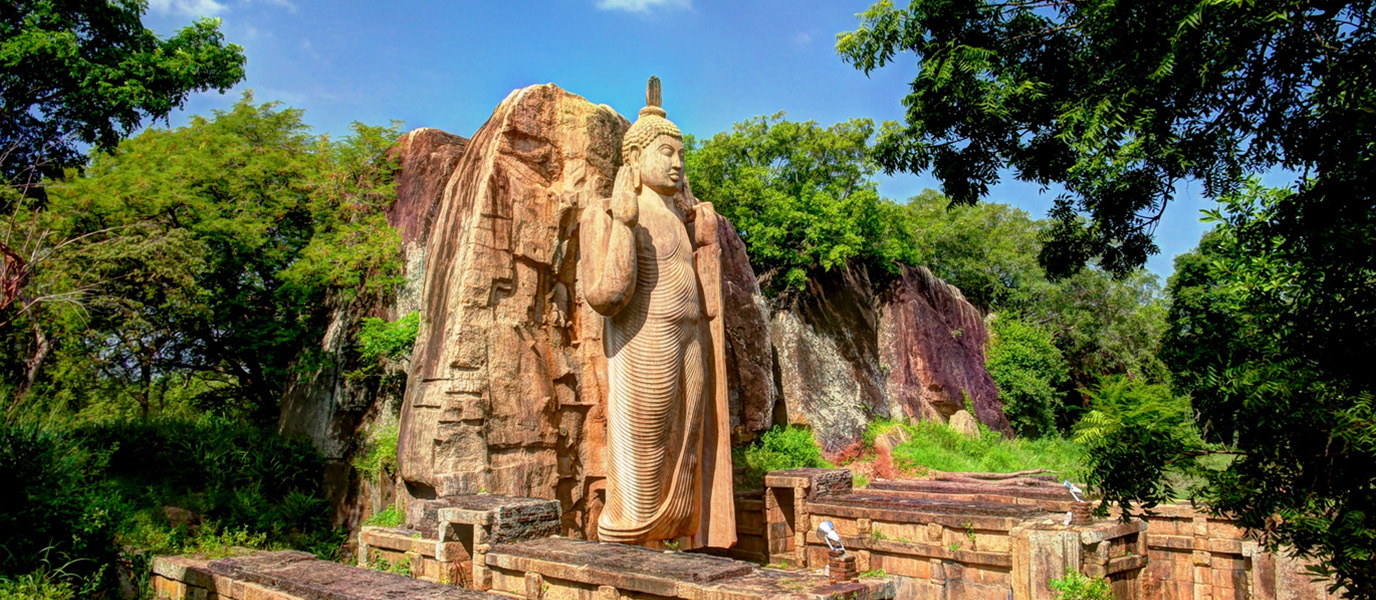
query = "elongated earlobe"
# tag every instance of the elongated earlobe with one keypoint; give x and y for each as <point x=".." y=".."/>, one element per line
<point x="633" y="160"/>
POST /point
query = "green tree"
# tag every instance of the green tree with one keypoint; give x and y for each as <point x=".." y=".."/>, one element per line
<point x="1118" y="102"/>
<point x="208" y="253"/>
<point x="76" y="74"/>
<point x="801" y="196"/>
<point x="989" y="250"/>
<point x="1105" y="326"/>
<point x="1030" y="373"/>
<point x="1279" y="372"/>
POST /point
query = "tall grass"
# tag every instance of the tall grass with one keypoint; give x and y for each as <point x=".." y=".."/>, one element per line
<point x="938" y="447"/>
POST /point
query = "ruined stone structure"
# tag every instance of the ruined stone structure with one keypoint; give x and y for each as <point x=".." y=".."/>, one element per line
<point x="650" y="263"/>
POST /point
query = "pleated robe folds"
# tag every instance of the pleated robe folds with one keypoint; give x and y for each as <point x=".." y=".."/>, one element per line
<point x="668" y="430"/>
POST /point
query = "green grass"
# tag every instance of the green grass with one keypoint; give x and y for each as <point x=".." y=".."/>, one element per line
<point x="388" y="517"/>
<point x="935" y="446"/>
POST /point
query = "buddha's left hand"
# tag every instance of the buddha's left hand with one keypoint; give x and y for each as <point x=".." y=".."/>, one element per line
<point x="704" y="220"/>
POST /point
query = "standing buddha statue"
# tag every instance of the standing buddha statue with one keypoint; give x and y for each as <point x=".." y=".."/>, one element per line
<point x="650" y="263"/>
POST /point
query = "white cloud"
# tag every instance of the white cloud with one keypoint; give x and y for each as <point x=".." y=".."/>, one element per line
<point x="308" y="48"/>
<point x="287" y="4"/>
<point x="206" y="8"/>
<point x="642" y="5"/>
<point x="802" y="39"/>
<point x="190" y="8"/>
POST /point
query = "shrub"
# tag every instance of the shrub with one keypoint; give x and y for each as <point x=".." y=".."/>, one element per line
<point x="55" y="508"/>
<point x="72" y="498"/>
<point x="1136" y="423"/>
<point x="378" y="456"/>
<point x="790" y="447"/>
<point x="383" y="339"/>
<point x="1076" y="586"/>
<point x="1030" y="373"/>
<point x="388" y="517"/>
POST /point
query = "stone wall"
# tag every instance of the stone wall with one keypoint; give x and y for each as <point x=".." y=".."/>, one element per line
<point x="1198" y="557"/>
<point x="1180" y="553"/>
<point x="967" y="550"/>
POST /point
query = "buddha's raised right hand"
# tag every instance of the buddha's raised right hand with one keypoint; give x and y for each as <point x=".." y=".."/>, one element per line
<point x="625" y="204"/>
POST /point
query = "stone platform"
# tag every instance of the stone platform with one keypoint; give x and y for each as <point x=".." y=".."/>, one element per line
<point x="564" y="569"/>
<point x="943" y="545"/>
<point x="448" y="538"/>
<point x="290" y="575"/>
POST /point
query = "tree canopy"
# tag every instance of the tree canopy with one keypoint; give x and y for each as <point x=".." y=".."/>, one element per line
<point x="76" y="73"/>
<point x="1118" y="102"/>
<point x="205" y="256"/>
<point x="801" y="195"/>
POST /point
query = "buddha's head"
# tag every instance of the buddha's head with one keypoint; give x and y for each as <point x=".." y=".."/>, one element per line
<point x="654" y="146"/>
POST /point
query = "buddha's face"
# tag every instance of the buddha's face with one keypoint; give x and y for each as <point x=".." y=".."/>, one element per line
<point x="661" y="165"/>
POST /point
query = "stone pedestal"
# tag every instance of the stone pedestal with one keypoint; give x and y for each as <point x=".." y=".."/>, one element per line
<point x="841" y="567"/>
<point x="450" y="537"/>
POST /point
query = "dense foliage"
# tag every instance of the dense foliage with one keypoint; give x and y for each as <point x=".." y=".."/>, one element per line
<point x="1031" y="375"/>
<point x="989" y="250"/>
<point x="74" y="73"/>
<point x="1136" y="434"/>
<point x="801" y="196"/>
<point x="75" y="500"/>
<point x="1274" y="363"/>
<point x="204" y="260"/>
<point x="1120" y="101"/>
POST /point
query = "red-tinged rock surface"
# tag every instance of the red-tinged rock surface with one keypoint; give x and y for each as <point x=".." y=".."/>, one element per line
<point x="933" y="342"/>
<point x="506" y="391"/>
<point x="426" y="158"/>
<point x="850" y="349"/>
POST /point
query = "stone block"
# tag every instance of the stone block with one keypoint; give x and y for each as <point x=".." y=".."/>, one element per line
<point x="818" y="482"/>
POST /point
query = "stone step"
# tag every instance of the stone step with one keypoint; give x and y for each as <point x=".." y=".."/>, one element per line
<point x="290" y="575"/>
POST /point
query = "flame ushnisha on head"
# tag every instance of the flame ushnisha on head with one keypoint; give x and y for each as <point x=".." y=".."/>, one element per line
<point x="651" y="124"/>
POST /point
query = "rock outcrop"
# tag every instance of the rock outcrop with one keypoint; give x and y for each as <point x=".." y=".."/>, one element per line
<point x="932" y="344"/>
<point x="850" y="350"/>
<point x="505" y="388"/>
<point x="506" y="391"/>
<point x="322" y="405"/>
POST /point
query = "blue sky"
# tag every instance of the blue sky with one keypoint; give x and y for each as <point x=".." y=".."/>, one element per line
<point x="447" y="65"/>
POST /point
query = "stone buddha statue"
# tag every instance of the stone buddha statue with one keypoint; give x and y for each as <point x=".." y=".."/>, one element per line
<point x="650" y="263"/>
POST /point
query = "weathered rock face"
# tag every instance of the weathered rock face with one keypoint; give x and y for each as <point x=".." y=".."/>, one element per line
<point x="506" y="392"/>
<point x="325" y="407"/>
<point x="932" y="342"/>
<point x="749" y="355"/>
<point x="847" y="353"/>
<point x="827" y="354"/>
